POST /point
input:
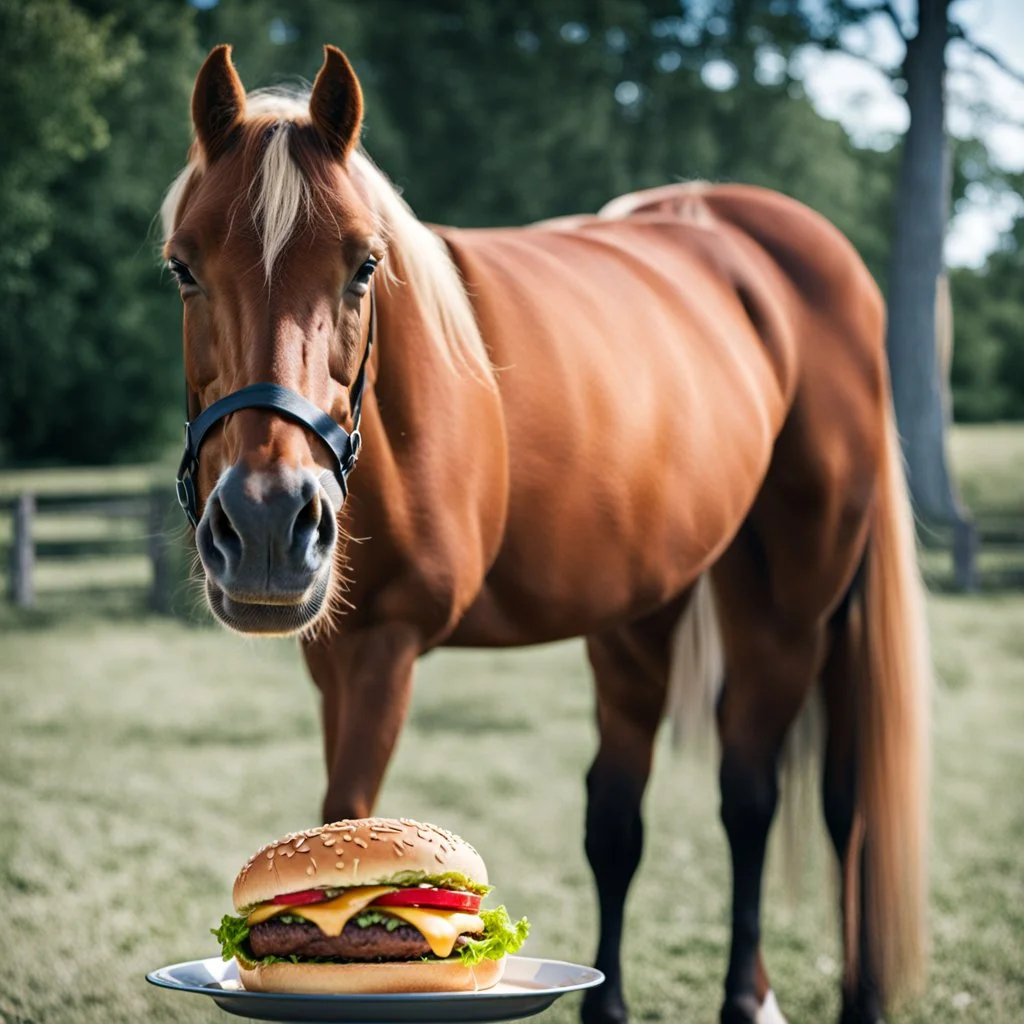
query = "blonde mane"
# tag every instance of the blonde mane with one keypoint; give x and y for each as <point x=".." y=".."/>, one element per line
<point x="282" y="195"/>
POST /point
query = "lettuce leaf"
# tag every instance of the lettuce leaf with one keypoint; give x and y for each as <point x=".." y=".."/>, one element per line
<point x="501" y="937"/>
<point x="232" y="935"/>
<point x="446" y="880"/>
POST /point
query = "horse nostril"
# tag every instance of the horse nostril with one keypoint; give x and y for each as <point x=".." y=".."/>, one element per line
<point x="226" y="541"/>
<point x="307" y="521"/>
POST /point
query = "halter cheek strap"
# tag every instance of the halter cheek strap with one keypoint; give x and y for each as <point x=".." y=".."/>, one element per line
<point x="342" y="445"/>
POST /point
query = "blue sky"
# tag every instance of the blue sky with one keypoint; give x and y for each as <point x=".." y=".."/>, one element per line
<point x="849" y="90"/>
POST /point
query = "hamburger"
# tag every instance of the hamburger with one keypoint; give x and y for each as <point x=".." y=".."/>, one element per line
<point x="367" y="905"/>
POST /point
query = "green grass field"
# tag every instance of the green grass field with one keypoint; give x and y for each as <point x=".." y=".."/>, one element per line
<point x="143" y="761"/>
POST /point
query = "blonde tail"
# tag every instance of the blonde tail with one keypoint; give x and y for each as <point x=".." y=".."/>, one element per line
<point x="894" y="726"/>
<point x="697" y="665"/>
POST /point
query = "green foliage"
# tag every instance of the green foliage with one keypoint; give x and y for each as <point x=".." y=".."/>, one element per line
<point x="483" y="113"/>
<point x="988" y="323"/>
<point x="89" y="336"/>
<point x="56" y="63"/>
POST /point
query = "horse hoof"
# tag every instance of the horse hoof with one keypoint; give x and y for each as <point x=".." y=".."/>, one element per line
<point x="603" y="1008"/>
<point x="769" y="1013"/>
<point x="747" y="1010"/>
<point x="857" y="1014"/>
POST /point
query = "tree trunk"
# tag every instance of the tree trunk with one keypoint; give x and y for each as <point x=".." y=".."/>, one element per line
<point x="922" y="208"/>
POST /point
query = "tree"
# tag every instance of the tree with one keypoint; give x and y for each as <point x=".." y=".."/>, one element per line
<point x="89" y="335"/>
<point x="921" y="214"/>
<point x="46" y="132"/>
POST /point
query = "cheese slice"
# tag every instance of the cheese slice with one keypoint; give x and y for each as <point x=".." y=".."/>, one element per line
<point x="331" y="916"/>
<point x="439" y="927"/>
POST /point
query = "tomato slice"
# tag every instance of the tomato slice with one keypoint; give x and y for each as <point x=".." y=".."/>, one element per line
<point x="443" y="899"/>
<point x="297" y="899"/>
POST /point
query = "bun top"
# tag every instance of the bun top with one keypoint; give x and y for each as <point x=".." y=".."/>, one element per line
<point x="360" y="851"/>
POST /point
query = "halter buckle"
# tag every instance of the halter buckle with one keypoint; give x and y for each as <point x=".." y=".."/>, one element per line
<point x="355" y="447"/>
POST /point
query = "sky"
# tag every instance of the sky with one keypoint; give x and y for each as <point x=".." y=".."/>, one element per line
<point x="851" y="91"/>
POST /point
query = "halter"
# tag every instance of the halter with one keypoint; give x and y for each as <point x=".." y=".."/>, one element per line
<point x="342" y="445"/>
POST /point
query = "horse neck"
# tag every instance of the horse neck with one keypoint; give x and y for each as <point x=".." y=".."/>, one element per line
<point x="421" y="394"/>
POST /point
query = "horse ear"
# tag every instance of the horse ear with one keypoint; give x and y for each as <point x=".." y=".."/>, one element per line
<point x="336" y="104"/>
<point x="218" y="102"/>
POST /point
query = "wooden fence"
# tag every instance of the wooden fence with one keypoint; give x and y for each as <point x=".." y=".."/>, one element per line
<point x="148" y="509"/>
<point x="150" y="513"/>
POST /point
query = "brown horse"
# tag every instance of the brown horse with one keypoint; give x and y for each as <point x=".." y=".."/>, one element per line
<point x="666" y="428"/>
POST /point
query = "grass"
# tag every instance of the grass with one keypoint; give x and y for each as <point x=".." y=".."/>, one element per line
<point x="143" y="761"/>
<point x="988" y="460"/>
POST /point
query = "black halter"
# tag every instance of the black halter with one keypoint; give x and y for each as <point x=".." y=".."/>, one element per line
<point x="343" y="445"/>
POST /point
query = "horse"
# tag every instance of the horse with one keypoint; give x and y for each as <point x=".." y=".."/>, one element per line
<point x="666" y="428"/>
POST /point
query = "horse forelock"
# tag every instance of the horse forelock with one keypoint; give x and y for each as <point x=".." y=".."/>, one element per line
<point x="284" y="192"/>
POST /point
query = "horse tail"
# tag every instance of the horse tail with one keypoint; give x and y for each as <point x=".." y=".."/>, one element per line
<point x="696" y="668"/>
<point x="893" y="725"/>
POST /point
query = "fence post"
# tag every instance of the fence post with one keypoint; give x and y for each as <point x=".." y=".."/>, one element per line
<point x="160" y="589"/>
<point x="965" y="555"/>
<point x="23" y="552"/>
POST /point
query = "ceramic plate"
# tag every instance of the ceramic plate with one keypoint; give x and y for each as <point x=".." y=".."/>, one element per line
<point x="529" y="986"/>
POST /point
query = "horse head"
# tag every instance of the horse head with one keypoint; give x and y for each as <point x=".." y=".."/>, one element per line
<point x="273" y="248"/>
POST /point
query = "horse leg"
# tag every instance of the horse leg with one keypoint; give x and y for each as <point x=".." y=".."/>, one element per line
<point x="769" y="672"/>
<point x="630" y="667"/>
<point x="365" y="682"/>
<point x="862" y="1002"/>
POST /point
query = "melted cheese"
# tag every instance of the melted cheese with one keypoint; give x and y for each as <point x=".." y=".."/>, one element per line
<point x="439" y="927"/>
<point x="330" y="917"/>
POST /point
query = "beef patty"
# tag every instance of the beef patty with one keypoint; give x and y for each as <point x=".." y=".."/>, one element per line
<point x="277" y="938"/>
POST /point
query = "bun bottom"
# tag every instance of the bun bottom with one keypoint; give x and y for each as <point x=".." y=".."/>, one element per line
<point x="347" y="979"/>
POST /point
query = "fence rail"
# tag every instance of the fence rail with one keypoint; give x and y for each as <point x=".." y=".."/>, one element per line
<point x="58" y="539"/>
<point x="147" y="508"/>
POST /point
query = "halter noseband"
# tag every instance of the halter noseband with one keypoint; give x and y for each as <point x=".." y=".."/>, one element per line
<point x="342" y="445"/>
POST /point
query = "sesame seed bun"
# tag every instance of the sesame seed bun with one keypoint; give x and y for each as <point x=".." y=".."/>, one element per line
<point x="410" y="976"/>
<point x="361" y="851"/>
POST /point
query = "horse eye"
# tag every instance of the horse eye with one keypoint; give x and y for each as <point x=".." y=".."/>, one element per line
<point x="181" y="273"/>
<point x="360" y="282"/>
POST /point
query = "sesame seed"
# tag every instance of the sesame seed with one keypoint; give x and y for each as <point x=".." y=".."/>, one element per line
<point x="347" y="838"/>
<point x="270" y="854"/>
<point x="310" y="871"/>
<point x="339" y="865"/>
<point x="329" y="842"/>
<point x="303" y="849"/>
<point x="361" y="842"/>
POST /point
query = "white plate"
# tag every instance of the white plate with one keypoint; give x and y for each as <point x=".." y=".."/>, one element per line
<point x="529" y="986"/>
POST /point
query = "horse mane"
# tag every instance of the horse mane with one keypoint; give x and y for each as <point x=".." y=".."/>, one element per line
<point x="282" y="194"/>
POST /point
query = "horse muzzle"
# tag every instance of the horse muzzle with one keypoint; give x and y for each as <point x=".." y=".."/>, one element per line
<point x="267" y="540"/>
